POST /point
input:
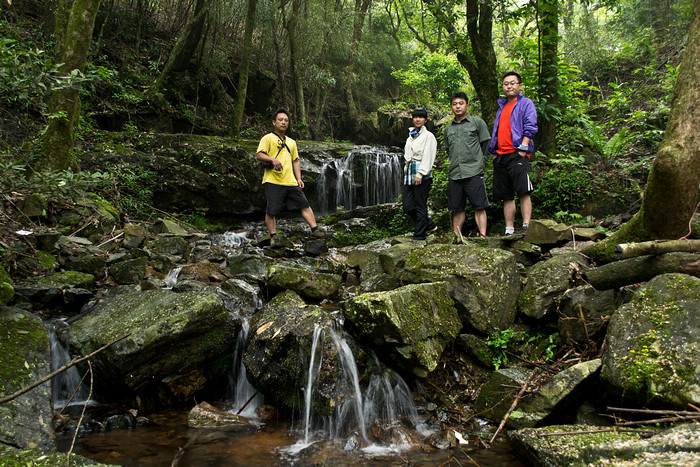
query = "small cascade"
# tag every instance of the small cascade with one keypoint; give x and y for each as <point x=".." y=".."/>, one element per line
<point x="364" y="177"/>
<point x="241" y="393"/>
<point x="66" y="386"/>
<point x="386" y="400"/>
<point x="171" y="279"/>
<point x="230" y="239"/>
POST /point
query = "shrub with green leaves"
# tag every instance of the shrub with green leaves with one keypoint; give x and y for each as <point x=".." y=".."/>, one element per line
<point x="563" y="186"/>
<point x="433" y="77"/>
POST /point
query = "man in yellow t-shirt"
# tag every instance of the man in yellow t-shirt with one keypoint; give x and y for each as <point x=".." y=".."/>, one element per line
<point x="282" y="180"/>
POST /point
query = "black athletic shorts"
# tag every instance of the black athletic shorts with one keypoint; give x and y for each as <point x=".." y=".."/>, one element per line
<point x="277" y="195"/>
<point x="511" y="174"/>
<point x="473" y="188"/>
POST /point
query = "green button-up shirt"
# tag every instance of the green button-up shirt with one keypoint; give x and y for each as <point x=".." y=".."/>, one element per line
<point x="467" y="144"/>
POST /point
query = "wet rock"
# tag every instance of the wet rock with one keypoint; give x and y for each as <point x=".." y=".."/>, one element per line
<point x="278" y="351"/>
<point x="360" y="257"/>
<point x="171" y="335"/>
<point x="252" y="268"/>
<point x="89" y="264"/>
<point x="267" y="413"/>
<point x="496" y="395"/>
<point x="546" y="281"/>
<point x="547" y="232"/>
<point x="134" y="235"/>
<point x="484" y="282"/>
<point x="7" y="287"/>
<point x="307" y="283"/>
<point x="652" y="352"/>
<point x="589" y="445"/>
<point x="239" y="294"/>
<point x="204" y="271"/>
<point x="394" y="257"/>
<point x="129" y="272"/>
<point x="25" y="421"/>
<point x="171" y="245"/>
<point x="584" y="313"/>
<point x="165" y="226"/>
<point x="49" y="291"/>
<point x="205" y="415"/>
<point x="374" y="279"/>
<point x="411" y="324"/>
<point x="477" y="348"/>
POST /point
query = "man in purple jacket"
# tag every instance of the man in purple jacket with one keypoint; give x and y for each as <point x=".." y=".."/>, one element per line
<point x="511" y="146"/>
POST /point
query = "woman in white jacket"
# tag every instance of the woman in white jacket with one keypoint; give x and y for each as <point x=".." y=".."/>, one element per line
<point x="419" y="155"/>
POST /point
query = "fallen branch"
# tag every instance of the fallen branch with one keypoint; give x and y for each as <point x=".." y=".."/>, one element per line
<point x="656" y="247"/>
<point x="687" y="418"/>
<point x="519" y="396"/>
<point x="73" y="362"/>
<point x="652" y="412"/>
<point x="588" y="432"/>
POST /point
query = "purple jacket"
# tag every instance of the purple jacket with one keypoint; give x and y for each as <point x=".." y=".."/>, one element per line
<point x="523" y="122"/>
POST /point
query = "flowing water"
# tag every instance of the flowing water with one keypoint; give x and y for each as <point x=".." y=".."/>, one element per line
<point x="364" y="177"/>
<point x="67" y="387"/>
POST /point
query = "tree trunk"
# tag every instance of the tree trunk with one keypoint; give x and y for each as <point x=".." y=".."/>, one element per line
<point x="478" y="56"/>
<point x="295" y="61"/>
<point x="353" y="117"/>
<point x="244" y="69"/>
<point x="75" y="21"/>
<point x="548" y="75"/>
<point x="639" y="269"/>
<point x="671" y="193"/>
<point x="178" y="48"/>
<point x="191" y="37"/>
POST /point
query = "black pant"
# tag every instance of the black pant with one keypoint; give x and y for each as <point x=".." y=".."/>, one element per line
<point x="415" y="205"/>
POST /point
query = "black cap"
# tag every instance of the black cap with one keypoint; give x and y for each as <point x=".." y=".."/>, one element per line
<point x="419" y="113"/>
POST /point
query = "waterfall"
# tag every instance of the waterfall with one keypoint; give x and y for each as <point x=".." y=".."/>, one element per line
<point x="66" y="387"/>
<point x="386" y="400"/>
<point x="230" y="239"/>
<point x="364" y="177"/>
<point x="240" y="390"/>
<point x="171" y="279"/>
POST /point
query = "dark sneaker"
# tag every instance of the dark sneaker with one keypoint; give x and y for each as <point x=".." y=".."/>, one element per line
<point x="318" y="234"/>
<point x="520" y="231"/>
<point x="431" y="229"/>
<point x="275" y="242"/>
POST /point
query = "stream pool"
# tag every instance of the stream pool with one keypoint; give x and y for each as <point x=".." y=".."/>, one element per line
<point x="167" y="441"/>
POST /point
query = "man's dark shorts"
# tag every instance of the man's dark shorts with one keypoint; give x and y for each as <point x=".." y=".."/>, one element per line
<point x="511" y="174"/>
<point x="277" y="195"/>
<point x="473" y="188"/>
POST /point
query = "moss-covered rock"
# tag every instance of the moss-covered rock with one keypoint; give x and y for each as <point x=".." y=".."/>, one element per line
<point x="315" y="285"/>
<point x="584" y="313"/>
<point x="170" y="335"/>
<point x="34" y="458"/>
<point x="412" y="324"/>
<point x="546" y="281"/>
<point x="7" y="287"/>
<point x="25" y="421"/>
<point x="484" y="282"/>
<point x="653" y="344"/>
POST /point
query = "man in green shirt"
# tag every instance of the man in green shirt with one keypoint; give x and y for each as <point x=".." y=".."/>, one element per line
<point x="467" y="142"/>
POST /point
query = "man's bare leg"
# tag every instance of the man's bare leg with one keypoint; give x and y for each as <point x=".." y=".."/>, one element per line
<point x="481" y="220"/>
<point x="308" y="215"/>
<point x="458" y="218"/>
<point x="509" y="212"/>
<point x="526" y="208"/>
<point x="271" y="223"/>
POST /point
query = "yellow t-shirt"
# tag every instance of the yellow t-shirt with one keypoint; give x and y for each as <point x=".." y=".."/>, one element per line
<point x="271" y="145"/>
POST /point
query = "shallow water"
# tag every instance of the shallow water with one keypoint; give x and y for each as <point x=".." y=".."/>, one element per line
<point x="167" y="441"/>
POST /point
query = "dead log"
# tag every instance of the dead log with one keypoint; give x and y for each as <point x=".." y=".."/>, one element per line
<point x="656" y="247"/>
<point x="639" y="269"/>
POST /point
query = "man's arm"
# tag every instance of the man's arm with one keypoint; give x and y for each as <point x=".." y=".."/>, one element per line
<point x="296" y="167"/>
<point x="261" y="156"/>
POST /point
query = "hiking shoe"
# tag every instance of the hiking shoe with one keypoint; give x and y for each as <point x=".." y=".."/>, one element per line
<point x="431" y="229"/>
<point x="520" y="231"/>
<point x="275" y="242"/>
<point x="318" y="234"/>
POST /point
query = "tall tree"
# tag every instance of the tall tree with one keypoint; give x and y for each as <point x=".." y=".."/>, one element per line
<point x="75" y="21"/>
<point x="548" y="21"/>
<point x="244" y="68"/>
<point x="671" y="192"/>
<point x="353" y="117"/>
<point x="291" y="23"/>
<point x="475" y="50"/>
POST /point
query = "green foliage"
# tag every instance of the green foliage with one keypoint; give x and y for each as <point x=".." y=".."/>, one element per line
<point x="432" y="77"/>
<point x="198" y="220"/>
<point x="499" y="342"/>
<point x="135" y="186"/>
<point x="64" y="184"/>
<point x="381" y="226"/>
<point x="563" y="186"/>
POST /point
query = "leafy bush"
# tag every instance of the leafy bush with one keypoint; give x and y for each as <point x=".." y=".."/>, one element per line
<point x="563" y="186"/>
<point x="58" y="184"/>
<point x="432" y="77"/>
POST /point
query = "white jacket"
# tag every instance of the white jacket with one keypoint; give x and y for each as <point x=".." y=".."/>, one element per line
<point x="421" y="149"/>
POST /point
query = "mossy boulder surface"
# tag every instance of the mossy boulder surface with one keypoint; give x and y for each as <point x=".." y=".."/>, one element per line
<point x="25" y="421"/>
<point x="7" y="287"/>
<point x="310" y="284"/>
<point x="413" y="323"/>
<point x="653" y="344"/>
<point x="172" y="337"/>
<point x="484" y="282"/>
<point x="33" y="458"/>
<point x="546" y="281"/>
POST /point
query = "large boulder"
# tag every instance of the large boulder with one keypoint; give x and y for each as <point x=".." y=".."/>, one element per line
<point x="314" y="285"/>
<point x="584" y="313"/>
<point x="67" y="290"/>
<point x="412" y="324"/>
<point x="484" y="282"/>
<point x="546" y="281"/>
<point x="25" y="421"/>
<point x="653" y="350"/>
<point x="176" y="344"/>
<point x="7" y="287"/>
<point x="584" y="445"/>
<point x="279" y="350"/>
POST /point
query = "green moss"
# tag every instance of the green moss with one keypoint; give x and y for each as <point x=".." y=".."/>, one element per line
<point x="20" y="333"/>
<point x="73" y="278"/>
<point x="46" y="260"/>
